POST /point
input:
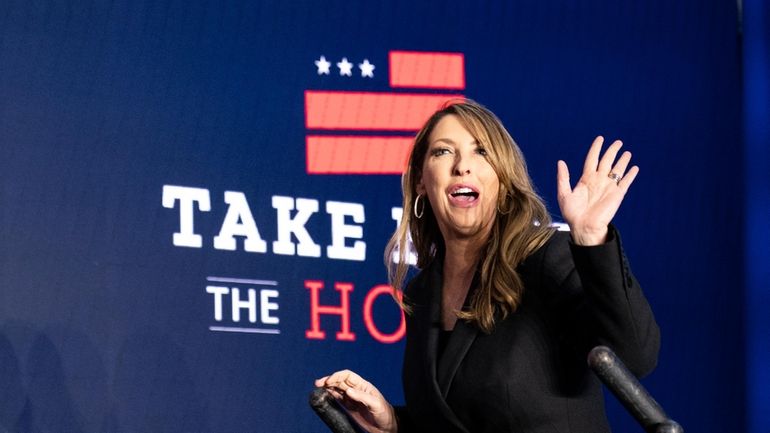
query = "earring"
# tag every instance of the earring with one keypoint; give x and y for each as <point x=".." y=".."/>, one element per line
<point x="422" y="210"/>
<point x="506" y="211"/>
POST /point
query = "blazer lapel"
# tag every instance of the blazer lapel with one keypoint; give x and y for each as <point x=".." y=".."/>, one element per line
<point x="462" y="337"/>
<point x="432" y="325"/>
<point x="458" y="345"/>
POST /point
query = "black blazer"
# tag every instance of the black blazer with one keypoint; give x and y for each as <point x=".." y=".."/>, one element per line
<point x="529" y="374"/>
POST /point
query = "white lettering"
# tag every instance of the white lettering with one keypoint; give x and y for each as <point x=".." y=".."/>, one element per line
<point x="187" y="196"/>
<point x="292" y="216"/>
<point x="218" y="292"/>
<point x="411" y="257"/>
<point x="341" y="231"/>
<point x="265" y="306"/>
<point x="268" y="304"/>
<point x="287" y="226"/>
<point x="239" y="222"/>
<point x="250" y="304"/>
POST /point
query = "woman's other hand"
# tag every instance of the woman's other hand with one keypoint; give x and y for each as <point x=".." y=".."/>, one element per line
<point x="362" y="400"/>
<point x="590" y="206"/>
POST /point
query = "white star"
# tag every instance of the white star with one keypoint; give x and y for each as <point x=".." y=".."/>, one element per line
<point x="346" y="68"/>
<point x="367" y="69"/>
<point x="323" y="66"/>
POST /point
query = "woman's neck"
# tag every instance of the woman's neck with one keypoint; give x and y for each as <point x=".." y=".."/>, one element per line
<point x="463" y="251"/>
<point x="461" y="258"/>
<point x="460" y="261"/>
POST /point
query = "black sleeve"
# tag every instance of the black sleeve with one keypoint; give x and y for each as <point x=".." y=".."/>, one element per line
<point x="405" y="424"/>
<point x="605" y="303"/>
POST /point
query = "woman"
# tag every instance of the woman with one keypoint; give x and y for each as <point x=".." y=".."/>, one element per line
<point x="505" y="309"/>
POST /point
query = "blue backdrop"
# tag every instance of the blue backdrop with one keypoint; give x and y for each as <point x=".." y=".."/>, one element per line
<point x="125" y="122"/>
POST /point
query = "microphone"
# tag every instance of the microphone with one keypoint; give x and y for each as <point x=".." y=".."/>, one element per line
<point x="329" y="411"/>
<point x="624" y="385"/>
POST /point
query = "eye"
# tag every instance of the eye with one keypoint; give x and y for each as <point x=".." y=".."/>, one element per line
<point x="481" y="151"/>
<point x="439" y="151"/>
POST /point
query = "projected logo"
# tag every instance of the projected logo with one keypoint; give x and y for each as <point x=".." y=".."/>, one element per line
<point x="354" y="132"/>
<point x="348" y="131"/>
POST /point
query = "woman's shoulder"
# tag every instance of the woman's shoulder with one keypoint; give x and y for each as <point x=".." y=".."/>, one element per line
<point x="554" y="249"/>
<point x="553" y="260"/>
<point x="418" y="288"/>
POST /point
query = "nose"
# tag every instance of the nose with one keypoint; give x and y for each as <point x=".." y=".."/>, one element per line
<point x="462" y="166"/>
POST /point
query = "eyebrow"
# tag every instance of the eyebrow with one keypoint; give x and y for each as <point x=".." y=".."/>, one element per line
<point x="450" y="141"/>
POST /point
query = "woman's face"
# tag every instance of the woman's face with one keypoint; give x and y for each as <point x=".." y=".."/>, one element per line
<point x="459" y="181"/>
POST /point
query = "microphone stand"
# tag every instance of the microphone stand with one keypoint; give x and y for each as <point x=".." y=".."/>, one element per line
<point x="624" y="385"/>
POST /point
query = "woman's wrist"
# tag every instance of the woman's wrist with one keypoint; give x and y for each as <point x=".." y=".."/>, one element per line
<point x="393" y="427"/>
<point x="589" y="237"/>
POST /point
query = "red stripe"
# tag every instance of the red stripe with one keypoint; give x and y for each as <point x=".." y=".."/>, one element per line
<point x="370" y="111"/>
<point x="427" y="70"/>
<point x="357" y="155"/>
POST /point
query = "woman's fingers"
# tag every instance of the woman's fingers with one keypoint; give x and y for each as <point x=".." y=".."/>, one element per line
<point x="592" y="158"/>
<point x="362" y="400"/>
<point x="628" y="179"/>
<point x="340" y="379"/>
<point x="372" y="402"/>
<point x="563" y="187"/>
<point x="599" y="165"/>
<point x="596" y="192"/>
<point x="605" y="164"/>
<point x="321" y="382"/>
<point x="344" y="380"/>
<point x="620" y="166"/>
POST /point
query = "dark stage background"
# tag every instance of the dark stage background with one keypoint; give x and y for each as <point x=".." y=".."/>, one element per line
<point x="123" y="123"/>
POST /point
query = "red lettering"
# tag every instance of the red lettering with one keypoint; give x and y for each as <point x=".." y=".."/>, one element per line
<point x="343" y="310"/>
<point x="369" y="320"/>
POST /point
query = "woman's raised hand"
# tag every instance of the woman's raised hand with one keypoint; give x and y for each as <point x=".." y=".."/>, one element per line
<point x="362" y="400"/>
<point x="589" y="207"/>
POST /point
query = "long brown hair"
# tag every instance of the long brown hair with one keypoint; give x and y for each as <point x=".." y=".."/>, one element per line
<point x="522" y="224"/>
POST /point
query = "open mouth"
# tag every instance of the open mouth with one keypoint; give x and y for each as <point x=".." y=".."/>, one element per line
<point x="464" y="193"/>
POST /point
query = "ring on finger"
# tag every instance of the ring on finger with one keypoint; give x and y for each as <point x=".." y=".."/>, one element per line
<point x="614" y="176"/>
